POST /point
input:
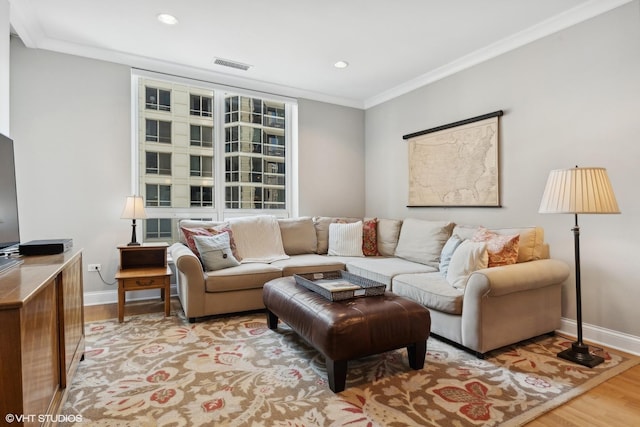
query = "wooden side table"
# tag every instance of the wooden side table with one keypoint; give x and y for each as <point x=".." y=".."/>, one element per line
<point x="144" y="267"/>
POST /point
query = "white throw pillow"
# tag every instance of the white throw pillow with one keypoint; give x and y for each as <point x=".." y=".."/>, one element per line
<point x="447" y="253"/>
<point x="345" y="239"/>
<point x="215" y="251"/>
<point x="467" y="258"/>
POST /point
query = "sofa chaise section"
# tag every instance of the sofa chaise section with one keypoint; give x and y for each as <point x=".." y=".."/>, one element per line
<point x="499" y="305"/>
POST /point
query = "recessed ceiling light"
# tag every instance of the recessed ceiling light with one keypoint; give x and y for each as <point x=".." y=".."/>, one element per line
<point x="165" y="18"/>
<point x="341" y="64"/>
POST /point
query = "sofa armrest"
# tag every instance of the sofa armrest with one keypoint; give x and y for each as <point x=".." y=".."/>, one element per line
<point x="503" y="280"/>
<point x="190" y="281"/>
<point x="187" y="262"/>
<point x="507" y="304"/>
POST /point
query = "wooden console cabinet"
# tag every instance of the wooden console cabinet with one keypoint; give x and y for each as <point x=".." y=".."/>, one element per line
<point x="42" y="335"/>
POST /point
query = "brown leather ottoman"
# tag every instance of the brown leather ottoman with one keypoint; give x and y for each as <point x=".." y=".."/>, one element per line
<point x="349" y="329"/>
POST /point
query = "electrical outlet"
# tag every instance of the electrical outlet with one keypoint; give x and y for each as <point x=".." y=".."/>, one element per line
<point x="95" y="267"/>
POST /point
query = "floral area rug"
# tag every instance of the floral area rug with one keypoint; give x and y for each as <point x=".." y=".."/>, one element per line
<point x="234" y="371"/>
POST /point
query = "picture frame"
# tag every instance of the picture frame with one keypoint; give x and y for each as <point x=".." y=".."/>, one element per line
<point x="456" y="165"/>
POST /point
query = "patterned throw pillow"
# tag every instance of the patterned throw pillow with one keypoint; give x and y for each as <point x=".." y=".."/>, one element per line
<point x="502" y="248"/>
<point x="370" y="237"/>
<point x="189" y="233"/>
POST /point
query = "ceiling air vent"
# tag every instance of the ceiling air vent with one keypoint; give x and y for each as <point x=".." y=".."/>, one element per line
<point x="231" y="64"/>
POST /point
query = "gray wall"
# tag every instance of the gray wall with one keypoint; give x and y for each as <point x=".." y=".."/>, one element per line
<point x="331" y="145"/>
<point x="4" y="68"/>
<point x="70" y="118"/>
<point x="570" y="99"/>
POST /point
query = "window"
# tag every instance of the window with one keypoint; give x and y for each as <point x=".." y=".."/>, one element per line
<point x="158" y="131"/>
<point x="157" y="99"/>
<point x="158" y="195"/>
<point x="158" y="228"/>
<point x="201" y="105"/>
<point x="201" y="136"/>
<point x="205" y="152"/>
<point x="201" y="196"/>
<point x="201" y="166"/>
<point x="158" y="163"/>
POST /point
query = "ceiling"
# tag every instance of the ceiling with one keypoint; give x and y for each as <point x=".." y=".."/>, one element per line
<point x="392" y="47"/>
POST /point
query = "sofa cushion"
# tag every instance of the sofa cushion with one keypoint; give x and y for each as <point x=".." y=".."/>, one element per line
<point x="215" y="251"/>
<point x="388" y="234"/>
<point x="384" y="269"/>
<point x="430" y="290"/>
<point x="242" y="277"/>
<point x="308" y="263"/>
<point x="345" y="239"/>
<point x="467" y="258"/>
<point x="298" y="235"/>
<point x="502" y="248"/>
<point x="258" y="238"/>
<point x="422" y="241"/>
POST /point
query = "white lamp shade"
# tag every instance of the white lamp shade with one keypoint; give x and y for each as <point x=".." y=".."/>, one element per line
<point x="579" y="191"/>
<point x="134" y="208"/>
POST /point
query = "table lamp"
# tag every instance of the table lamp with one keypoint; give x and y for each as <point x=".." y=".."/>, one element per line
<point x="134" y="209"/>
<point x="579" y="191"/>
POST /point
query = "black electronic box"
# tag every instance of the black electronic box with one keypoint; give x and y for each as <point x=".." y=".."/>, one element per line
<point x="45" y="247"/>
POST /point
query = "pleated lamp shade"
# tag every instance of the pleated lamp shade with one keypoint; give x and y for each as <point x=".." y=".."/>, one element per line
<point x="134" y="208"/>
<point x="579" y="191"/>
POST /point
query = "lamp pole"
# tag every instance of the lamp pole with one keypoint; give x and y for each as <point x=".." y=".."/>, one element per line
<point x="579" y="351"/>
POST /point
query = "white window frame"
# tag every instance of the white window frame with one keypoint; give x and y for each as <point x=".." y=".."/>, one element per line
<point x="219" y="212"/>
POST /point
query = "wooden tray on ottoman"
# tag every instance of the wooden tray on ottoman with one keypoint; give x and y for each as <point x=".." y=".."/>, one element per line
<point x="339" y="285"/>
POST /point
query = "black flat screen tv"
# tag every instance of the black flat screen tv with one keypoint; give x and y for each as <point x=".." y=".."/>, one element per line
<point x="9" y="229"/>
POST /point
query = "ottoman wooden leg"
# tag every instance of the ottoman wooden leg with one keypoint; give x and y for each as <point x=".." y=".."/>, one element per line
<point x="272" y="320"/>
<point x="417" y="353"/>
<point x="337" y="374"/>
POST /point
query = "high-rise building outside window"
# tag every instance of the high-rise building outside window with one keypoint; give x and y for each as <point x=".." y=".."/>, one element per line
<point x="205" y="152"/>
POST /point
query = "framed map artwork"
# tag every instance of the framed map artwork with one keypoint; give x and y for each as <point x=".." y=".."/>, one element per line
<point x="456" y="164"/>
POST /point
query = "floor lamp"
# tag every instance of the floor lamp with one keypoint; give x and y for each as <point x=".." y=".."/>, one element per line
<point x="579" y="191"/>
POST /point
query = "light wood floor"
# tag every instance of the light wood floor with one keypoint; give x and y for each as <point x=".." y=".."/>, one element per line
<point x="613" y="403"/>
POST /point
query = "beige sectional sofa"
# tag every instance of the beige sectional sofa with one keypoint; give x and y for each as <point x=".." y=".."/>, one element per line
<point x="479" y="307"/>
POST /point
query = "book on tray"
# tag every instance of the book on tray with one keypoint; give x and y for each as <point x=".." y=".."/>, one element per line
<point x="337" y="285"/>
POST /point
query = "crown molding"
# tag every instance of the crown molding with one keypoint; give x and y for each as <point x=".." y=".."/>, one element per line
<point x="26" y="25"/>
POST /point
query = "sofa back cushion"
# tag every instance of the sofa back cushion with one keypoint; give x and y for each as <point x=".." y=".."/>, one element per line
<point x="298" y="235"/>
<point x="422" y="240"/>
<point x="531" y="245"/>
<point x="388" y="235"/>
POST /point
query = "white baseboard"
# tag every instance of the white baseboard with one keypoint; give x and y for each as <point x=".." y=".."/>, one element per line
<point x="602" y="336"/>
<point x="111" y="297"/>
